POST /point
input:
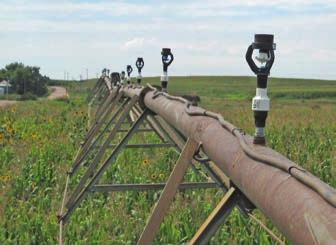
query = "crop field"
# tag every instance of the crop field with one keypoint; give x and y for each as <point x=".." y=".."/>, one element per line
<point x="39" y="139"/>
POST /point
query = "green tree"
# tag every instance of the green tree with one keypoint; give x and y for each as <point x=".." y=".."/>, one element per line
<point x="25" y="79"/>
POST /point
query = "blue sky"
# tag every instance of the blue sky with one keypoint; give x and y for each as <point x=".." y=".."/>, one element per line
<point x="206" y="37"/>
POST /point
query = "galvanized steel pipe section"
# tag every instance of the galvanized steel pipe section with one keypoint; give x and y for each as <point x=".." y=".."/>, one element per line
<point x="299" y="212"/>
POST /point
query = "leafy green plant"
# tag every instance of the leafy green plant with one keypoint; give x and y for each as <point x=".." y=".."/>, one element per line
<point x="38" y="140"/>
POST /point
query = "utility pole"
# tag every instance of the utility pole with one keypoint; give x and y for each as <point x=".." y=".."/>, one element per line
<point x="7" y="87"/>
<point x="87" y="74"/>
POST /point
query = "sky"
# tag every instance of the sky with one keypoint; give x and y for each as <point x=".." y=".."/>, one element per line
<point x="206" y="37"/>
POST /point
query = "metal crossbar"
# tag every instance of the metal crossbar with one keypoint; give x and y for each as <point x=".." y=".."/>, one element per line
<point x="147" y="187"/>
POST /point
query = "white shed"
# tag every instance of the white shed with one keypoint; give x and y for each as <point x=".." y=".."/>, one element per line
<point x="5" y="85"/>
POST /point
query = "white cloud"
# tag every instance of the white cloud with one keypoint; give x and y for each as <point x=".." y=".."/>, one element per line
<point x="205" y="36"/>
<point x="136" y="42"/>
<point x="117" y="8"/>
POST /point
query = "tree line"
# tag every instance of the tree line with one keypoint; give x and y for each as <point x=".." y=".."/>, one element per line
<point x="25" y="79"/>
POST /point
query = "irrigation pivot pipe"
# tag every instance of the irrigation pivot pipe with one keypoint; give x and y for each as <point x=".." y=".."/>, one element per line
<point x="297" y="210"/>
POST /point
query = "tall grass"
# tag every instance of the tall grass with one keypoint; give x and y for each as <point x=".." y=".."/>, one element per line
<point x="38" y="141"/>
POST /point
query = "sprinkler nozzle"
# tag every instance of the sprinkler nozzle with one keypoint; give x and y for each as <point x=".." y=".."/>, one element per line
<point x="122" y="77"/>
<point x="104" y="72"/>
<point x="261" y="103"/>
<point x="115" y="78"/>
<point x="139" y="64"/>
<point x="129" y="70"/>
<point x="167" y="59"/>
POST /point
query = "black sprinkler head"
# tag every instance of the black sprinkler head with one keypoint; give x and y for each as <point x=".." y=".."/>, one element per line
<point x="115" y="78"/>
<point x="167" y="58"/>
<point x="123" y="75"/>
<point x="264" y="43"/>
<point x="140" y="63"/>
<point x="261" y="103"/>
<point x="129" y="70"/>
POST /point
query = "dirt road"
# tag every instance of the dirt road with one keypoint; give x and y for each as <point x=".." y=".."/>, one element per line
<point x="4" y="103"/>
<point x="57" y="92"/>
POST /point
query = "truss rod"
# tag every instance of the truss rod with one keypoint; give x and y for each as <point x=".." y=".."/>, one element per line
<point x="216" y="218"/>
<point x="101" y="170"/>
<point x="168" y="192"/>
<point x="151" y="145"/>
<point x="93" y="165"/>
<point x="80" y="158"/>
<point x="152" y="186"/>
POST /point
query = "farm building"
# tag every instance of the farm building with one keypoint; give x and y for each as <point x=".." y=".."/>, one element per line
<point x="4" y="86"/>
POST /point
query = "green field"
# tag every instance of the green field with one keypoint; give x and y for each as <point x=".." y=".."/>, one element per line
<point x="38" y="140"/>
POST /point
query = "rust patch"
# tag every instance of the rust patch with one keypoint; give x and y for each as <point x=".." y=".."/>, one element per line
<point x="318" y="230"/>
<point x="201" y="126"/>
<point x="237" y="158"/>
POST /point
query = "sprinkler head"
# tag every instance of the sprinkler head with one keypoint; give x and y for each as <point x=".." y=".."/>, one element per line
<point x="129" y="70"/>
<point x="104" y="72"/>
<point x="261" y="103"/>
<point x="115" y="78"/>
<point x="123" y="75"/>
<point x="263" y="43"/>
<point x="167" y="59"/>
<point x="139" y="64"/>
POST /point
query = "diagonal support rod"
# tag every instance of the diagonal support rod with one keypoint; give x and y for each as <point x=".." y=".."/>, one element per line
<point x="107" y="109"/>
<point x="93" y="165"/>
<point x="89" y="137"/>
<point x="80" y="158"/>
<point x="159" y="132"/>
<point x="216" y="218"/>
<point x="168" y="192"/>
<point x="210" y="168"/>
<point x="64" y="218"/>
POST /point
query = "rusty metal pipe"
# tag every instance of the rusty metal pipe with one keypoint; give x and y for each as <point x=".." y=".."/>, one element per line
<point x="299" y="212"/>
